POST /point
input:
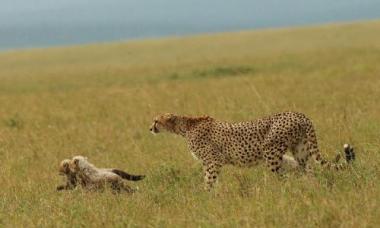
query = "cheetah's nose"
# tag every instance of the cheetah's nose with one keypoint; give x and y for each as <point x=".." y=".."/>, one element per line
<point x="153" y="128"/>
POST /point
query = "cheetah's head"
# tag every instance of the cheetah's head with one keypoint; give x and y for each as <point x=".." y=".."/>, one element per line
<point x="163" y="122"/>
<point x="78" y="163"/>
<point x="64" y="167"/>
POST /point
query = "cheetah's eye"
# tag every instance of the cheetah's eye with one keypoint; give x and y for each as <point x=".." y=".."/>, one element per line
<point x="171" y="118"/>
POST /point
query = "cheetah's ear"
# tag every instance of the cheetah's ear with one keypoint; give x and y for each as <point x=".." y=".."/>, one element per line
<point x="172" y="118"/>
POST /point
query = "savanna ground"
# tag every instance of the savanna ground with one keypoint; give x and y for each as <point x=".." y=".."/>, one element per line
<point x="99" y="100"/>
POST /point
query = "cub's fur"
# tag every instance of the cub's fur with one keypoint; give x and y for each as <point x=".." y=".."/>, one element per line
<point x="96" y="178"/>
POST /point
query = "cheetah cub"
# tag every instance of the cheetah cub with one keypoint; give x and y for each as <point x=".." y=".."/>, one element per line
<point x="218" y="143"/>
<point x="71" y="176"/>
<point x="94" y="178"/>
<point x="75" y="178"/>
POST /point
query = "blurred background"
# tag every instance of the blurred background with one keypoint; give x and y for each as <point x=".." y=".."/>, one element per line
<point x="42" y="23"/>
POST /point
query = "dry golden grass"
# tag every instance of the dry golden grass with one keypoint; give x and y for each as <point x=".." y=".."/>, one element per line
<point x="99" y="100"/>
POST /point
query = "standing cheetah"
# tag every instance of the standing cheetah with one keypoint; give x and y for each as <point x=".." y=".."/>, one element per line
<point x="217" y="143"/>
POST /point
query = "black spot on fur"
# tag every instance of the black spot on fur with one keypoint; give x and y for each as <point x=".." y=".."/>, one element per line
<point x="73" y="180"/>
<point x="60" y="188"/>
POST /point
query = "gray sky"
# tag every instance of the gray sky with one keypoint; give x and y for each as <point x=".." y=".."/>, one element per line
<point x="30" y="23"/>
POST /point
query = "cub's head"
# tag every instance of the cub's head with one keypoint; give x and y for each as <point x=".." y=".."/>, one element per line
<point x="64" y="167"/>
<point x="166" y="121"/>
<point x="78" y="163"/>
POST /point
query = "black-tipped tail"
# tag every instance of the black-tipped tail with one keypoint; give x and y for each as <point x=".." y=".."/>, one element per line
<point x="128" y="176"/>
<point x="349" y="153"/>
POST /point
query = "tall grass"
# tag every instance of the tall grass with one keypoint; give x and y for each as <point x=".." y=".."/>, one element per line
<point x="99" y="100"/>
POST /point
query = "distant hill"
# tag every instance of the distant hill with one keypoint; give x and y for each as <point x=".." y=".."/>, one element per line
<point x="99" y="101"/>
<point x="47" y="23"/>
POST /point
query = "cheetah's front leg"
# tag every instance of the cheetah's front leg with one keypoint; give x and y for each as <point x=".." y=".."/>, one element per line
<point x="212" y="162"/>
<point x="211" y="172"/>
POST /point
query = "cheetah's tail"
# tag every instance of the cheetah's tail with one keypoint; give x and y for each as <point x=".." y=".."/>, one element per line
<point x="349" y="157"/>
<point x="128" y="176"/>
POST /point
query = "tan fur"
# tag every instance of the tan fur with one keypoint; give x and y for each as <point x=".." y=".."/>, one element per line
<point x="97" y="179"/>
<point x="217" y="143"/>
<point x="71" y="177"/>
<point x="177" y="124"/>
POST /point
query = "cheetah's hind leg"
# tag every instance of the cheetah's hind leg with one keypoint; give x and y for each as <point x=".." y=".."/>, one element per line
<point x="301" y="153"/>
<point x="273" y="155"/>
<point x="289" y="163"/>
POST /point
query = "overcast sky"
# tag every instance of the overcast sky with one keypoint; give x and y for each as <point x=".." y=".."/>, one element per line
<point x="29" y="23"/>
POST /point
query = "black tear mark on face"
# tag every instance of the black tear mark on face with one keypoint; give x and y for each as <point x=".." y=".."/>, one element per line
<point x="154" y="128"/>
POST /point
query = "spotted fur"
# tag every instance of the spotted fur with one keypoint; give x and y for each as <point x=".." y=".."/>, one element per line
<point x="217" y="143"/>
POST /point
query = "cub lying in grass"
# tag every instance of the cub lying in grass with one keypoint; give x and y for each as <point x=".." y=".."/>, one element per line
<point x="79" y="170"/>
<point x="71" y="176"/>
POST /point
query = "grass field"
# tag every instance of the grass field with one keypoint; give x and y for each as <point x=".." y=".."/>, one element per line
<point x="99" y="101"/>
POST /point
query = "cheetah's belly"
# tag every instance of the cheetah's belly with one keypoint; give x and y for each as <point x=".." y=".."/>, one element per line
<point x="244" y="157"/>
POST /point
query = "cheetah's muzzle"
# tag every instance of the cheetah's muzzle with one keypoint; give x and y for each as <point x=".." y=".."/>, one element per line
<point x="154" y="128"/>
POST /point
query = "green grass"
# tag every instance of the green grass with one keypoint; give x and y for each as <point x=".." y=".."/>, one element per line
<point x="99" y="101"/>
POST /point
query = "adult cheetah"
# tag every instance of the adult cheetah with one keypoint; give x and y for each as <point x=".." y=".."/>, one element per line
<point x="217" y="143"/>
